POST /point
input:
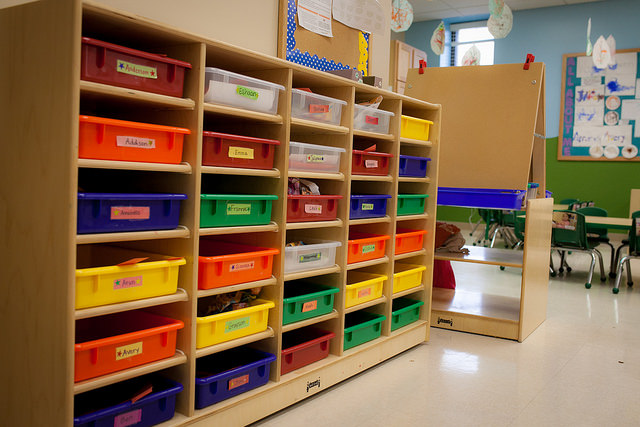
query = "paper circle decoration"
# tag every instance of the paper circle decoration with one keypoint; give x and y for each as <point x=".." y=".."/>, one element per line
<point x="401" y="15"/>
<point x="500" y="25"/>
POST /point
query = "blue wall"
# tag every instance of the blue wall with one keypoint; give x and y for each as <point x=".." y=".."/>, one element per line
<point x="548" y="33"/>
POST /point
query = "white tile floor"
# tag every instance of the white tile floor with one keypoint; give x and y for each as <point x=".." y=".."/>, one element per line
<point x="581" y="367"/>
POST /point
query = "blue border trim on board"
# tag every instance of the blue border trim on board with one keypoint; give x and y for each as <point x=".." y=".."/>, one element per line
<point x="312" y="61"/>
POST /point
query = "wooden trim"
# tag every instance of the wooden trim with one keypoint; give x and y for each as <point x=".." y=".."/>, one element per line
<point x="181" y="232"/>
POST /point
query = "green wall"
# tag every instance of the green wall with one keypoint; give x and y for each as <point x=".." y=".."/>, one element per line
<point x="608" y="184"/>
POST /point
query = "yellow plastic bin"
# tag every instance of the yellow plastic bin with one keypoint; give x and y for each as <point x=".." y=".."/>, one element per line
<point x="414" y="128"/>
<point x="407" y="276"/>
<point x="363" y="287"/>
<point x="234" y="324"/>
<point x="110" y="275"/>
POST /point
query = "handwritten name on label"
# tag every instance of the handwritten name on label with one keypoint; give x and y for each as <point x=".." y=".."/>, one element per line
<point x="315" y="158"/>
<point x="309" y="306"/>
<point x="364" y="292"/>
<point x="135" y="142"/>
<point x="130" y="212"/>
<point x="371" y="120"/>
<point x="312" y="384"/>
<point x="368" y="248"/>
<point x="370" y="163"/>
<point x="247" y="93"/>
<point x="236" y="324"/>
<point x="316" y="256"/>
<point x="130" y="350"/>
<point x="367" y="206"/>
<point x="127" y="282"/>
<point x="241" y="153"/>
<point x="239" y="266"/>
<point x="238" y="209"/>
<point x="317" y="108"/>
<point x="313" y="209"/>
<point x="136" y="70"/>
<point x="128" y="418"/>
<point x="237" y="382"/>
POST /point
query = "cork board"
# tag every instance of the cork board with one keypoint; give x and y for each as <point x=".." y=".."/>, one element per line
<point x="348" y="48"/>
<point x="490" y="118"/>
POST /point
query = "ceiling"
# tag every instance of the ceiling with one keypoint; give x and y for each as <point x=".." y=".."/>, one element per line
<point x="426" y="10"/>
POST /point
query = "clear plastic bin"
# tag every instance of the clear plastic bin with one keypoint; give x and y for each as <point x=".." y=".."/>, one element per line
<point x="371" y="119"/>
<point x="236" y="90"/>
<point x="314" y="158"/>
<point x="311" y="256"/>
<point x="319" y="108"/>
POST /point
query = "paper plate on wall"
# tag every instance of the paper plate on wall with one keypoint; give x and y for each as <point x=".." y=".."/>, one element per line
<point x="629" y="151"/>
<point x="611" y="151"/>
<point x="401" y="15"/>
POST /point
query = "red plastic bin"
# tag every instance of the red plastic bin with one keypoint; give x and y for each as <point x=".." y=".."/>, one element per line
<point x="116" y="65"/>
<point x="312" y="208"/>
<point x="222" y="264"/>
<point x="409" y="240"/>
<point x="236" y="151"/>
<point x="111" y="139"/>
<point x="302" y="347"/>
<point x="123" y="340"/>
<point x="365" y="246"/>
<point x="370" y="163"/>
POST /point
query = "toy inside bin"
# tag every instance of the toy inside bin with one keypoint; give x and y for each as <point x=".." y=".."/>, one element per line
<point x="237" y="90"/>
<point x="236" y="151"/>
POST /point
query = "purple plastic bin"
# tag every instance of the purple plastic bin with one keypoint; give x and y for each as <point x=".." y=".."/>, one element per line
<point x="104" y="407"/>
<point x="485" y="198"/>
<point x="412" y="166"/>
<point x="232" y="372"/>
<point x="368" y="206"/>
<point x="117" y="212"/>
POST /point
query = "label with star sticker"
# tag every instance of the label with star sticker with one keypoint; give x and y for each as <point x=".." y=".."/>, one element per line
<point x="135" y="142"/>
<point x="127" y="282"/>
<point x="129" y="350"/>
<point x="136" y="70"/>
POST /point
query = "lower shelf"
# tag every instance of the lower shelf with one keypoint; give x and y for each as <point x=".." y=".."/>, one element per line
<point x="476" y="312"/>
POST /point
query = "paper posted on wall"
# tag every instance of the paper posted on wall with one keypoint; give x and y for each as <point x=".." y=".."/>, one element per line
<point x="315" y="16"/>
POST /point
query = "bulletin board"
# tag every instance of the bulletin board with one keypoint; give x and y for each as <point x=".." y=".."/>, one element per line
<point x="348" y="48"/>
<point x="600" y="108"/>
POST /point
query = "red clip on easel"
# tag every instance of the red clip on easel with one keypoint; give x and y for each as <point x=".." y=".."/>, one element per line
<point x="529" y="60"/>
<point x="423" y="65"/>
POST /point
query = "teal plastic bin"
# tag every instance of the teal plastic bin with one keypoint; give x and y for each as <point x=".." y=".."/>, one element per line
<point x="362" y="327"/>
<point x="228" y="210"/>
<point x="404" y="311"/>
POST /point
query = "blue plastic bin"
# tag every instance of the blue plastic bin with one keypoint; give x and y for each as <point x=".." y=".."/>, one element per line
<point x="485" y="198"/>
<point x="411" y="166"/>
<point x="106" y="407"/>
<point x="117" y="212"/>
<point x="232" y="372"/>
<point x="368" y="206"/>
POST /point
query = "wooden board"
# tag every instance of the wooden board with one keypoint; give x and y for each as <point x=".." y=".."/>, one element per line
<point x="348" y="48"/>
<point x="490" y="115"/>
<point x="609" y="110"/>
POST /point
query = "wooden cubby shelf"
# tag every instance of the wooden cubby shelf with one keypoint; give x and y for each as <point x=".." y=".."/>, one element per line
<point x="297" y="325"/>
<point x="181" y="232"/>
<point x="205" y="351"/>
<point x="52" y="172"/>
<point x="271" y="173"/>
<point x="411" y="254"/>
<point x="491" y="256"/>
<point x="217" y="231"/>
<point x="408" y="291"/>
<point x="417" y="142"/>
<point x="132" y="95"/>
<point x="233" y="288"/>
<point x="177" y="359"/>
<point x="179" y="295"/>
<point x="225" y="110"/>
<point x="183" y="167"/>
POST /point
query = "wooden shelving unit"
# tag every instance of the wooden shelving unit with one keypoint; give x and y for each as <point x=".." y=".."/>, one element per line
<point x="39" y="215"/>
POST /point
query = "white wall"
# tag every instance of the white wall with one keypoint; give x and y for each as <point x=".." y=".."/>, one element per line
<point x="252" y="24"/>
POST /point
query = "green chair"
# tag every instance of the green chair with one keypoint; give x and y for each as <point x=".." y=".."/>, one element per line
<point x="597" y="234"/>
<point x="634" y="252"/>
<point x="568" y="201"/>
<point x="491" y="219"/>
<point x="625" y="242"/>
<point x="504" y="227"/>
<point x="569" y="233"/>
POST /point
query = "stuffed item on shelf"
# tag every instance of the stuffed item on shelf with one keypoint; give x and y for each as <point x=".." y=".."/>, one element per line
<point x="227" y="302"/>
<point x="302" y="187"/>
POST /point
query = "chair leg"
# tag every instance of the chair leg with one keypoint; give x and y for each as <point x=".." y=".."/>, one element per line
<point x="617" y="258"/>
<point x="612" y="265"/>
<point x="552" y="270"/>
<point x="562" y="262"/>
<point x="616" y="285"/>
<point x="603" y="277"/>
<point x="493" y="236"/>
<point x="591" y="268"/>
<point x="629" y="280"/>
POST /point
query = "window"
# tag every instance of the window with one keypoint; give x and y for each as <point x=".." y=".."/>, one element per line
<point x="467" y="34"/>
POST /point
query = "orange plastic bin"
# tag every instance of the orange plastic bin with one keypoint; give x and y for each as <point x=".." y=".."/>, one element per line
<point x="223" y="263"/>
<point x="365" y="246"/>
<point x="409" y="240"/>
<point x="110" y="139"/>
<point x="120" y="341"/>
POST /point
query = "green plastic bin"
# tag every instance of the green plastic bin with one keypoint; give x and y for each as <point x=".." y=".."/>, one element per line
<point x="404" y="311"/>
<point x="411" y="204"/>
<point x="362" y="327"/>
<point x="304" y="300"/>
<point x="227" y="210"/>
